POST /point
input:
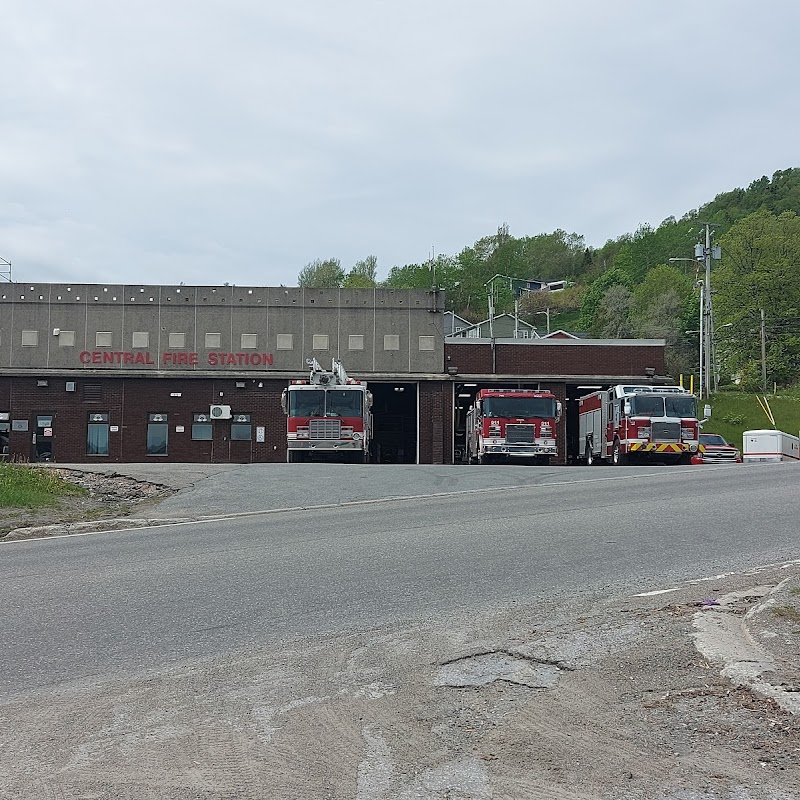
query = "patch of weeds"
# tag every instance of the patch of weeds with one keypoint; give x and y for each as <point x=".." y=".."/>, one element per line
<point x="787" y="612"/>
<point x="734" y="419"/>
<point x="22" y="486"/>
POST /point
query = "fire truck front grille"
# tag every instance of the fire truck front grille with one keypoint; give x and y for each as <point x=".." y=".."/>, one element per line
<point x="520" y="434"/>
<point x="666" y="432"/>
<point x="325" y="429"/>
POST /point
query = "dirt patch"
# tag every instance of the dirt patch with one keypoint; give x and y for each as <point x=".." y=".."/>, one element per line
<point x="109" y="496"/>
<point x="636" y="714"/>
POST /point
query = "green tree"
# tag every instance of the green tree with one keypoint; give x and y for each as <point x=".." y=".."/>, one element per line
<point x="595" y="294"/>
<point x="363" y="275"/>
<point x="327" y="274"/>
<point x="613" y="317"/>
<point x="760" y="269"/>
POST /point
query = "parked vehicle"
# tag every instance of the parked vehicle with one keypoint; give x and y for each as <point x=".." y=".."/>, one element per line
<point x="329" y="416"/>
<point x="642" y="424"/>
<point x="713" y="449"/>
<point x="512" y="424"/>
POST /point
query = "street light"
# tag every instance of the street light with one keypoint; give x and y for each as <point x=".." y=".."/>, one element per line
<point x="708" y="361"/>
<point x="546" y="311"/>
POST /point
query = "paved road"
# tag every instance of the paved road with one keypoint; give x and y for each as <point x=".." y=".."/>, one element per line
<point x="130" y="601"/>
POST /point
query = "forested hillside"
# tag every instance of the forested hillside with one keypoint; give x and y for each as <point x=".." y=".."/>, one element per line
<point x="629" y="287"/>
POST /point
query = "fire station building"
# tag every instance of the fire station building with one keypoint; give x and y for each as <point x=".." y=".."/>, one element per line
<point x="130" y="373"/>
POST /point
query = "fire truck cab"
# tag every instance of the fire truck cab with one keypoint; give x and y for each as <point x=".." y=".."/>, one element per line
<point x="329" y="416"/>
<point x="627" y="423"/>
<point x="512" y="424"/>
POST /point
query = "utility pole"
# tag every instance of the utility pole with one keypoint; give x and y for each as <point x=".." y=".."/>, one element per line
<point x="706" y="253"/>
<point x="702" y="336"/>
<point x="763" y="354"/>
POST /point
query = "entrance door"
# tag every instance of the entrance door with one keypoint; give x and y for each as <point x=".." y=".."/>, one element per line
<point x="42" y="439"/>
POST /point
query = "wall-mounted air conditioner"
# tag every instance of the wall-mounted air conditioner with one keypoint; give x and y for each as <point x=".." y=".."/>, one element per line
<point x="220" y="412"/>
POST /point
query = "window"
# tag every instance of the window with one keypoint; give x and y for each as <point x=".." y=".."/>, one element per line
<point x="427" y="343"/>
<point x="249" y="341"/>
<point x="241" y="429"/>
<point x="355" y="342"/>
<point x="5" y="427"/>
<point x="30" y="338"/>
<point x="521" y="333"/>
<point x="157" y="434"/>
<point x="519" y="407"/>
<point x="97" y="435"/>
<point x="473" y="333"/>
<point x="140" y="340"/>
<point x="202" y="429"/>
<point x="213" y="341"/>
<point x="306" y="402"/>
<point x="103" y="339"/>
<point x="177" y="341"/>
<point x="66" y="339"/>
<point x="285" y="341"/>
<point x="681" y="407"/>
<point x="391" y="341"/>
<point x="319" y="341"/>
<point x="343" y="403"/>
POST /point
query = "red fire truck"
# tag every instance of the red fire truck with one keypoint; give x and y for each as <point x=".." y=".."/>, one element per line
<point x="627" y="423"/>
<point x="329" y="416"/>
<point x="505" y="424"/>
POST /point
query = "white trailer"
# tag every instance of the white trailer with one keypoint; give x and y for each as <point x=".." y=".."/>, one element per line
<point x="770" y="445"/>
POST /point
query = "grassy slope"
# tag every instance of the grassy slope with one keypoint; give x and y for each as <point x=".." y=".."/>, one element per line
<point x="727" y="406"/>
<point x="31" y="487"/>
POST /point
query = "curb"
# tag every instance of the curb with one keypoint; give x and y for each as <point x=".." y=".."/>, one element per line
<point x="96" y="526"/>
<point x="722" y="637"/>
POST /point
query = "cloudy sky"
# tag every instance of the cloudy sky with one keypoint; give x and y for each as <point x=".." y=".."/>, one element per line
<point x="206" y="141"/>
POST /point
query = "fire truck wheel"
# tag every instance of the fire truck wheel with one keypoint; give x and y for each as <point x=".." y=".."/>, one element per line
<point x="618" y="458"/>
<point x="589" y="456"/>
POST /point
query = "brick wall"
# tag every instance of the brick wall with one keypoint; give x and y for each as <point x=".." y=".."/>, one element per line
<point x="435" y="422"/>
<point x="129" y="402"/>
<point x="556" y="359"/>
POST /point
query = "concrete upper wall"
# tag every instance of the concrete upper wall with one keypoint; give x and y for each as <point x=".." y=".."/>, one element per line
<point x="219" y="328"/>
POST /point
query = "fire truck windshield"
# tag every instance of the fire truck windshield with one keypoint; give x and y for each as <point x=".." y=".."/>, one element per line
<point x="644" y="406"/>
<point x="519" y="407"/>
<point x="306" y="403"/>
<point x="676" y="406"/>
<point x="343" y="403"/>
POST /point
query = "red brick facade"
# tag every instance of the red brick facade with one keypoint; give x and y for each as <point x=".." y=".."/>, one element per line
<point x="129" y="399"/>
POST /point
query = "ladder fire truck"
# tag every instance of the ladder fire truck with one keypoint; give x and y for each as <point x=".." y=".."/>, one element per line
<point x="504" y="424"/>
<point x="329" y="416"/>
<point x="628" y="423"/>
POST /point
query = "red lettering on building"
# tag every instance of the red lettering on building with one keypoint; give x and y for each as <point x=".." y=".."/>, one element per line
<point x="171" y="358"/>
